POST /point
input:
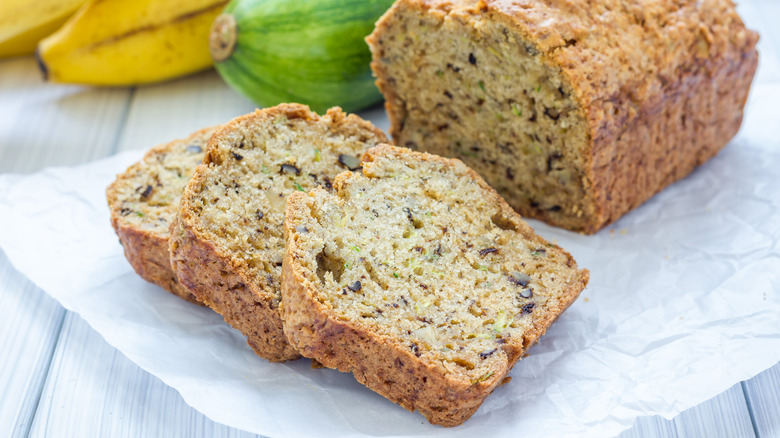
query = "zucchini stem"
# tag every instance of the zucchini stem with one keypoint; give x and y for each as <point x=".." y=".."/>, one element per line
<point x="223" y="36"/>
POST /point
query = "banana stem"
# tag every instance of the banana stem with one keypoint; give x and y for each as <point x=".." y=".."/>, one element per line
<point x="41" y="64"/>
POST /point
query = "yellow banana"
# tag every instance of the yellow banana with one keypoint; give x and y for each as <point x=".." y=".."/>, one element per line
<point x="23" y="23"/>
<point x="125" y="42"/>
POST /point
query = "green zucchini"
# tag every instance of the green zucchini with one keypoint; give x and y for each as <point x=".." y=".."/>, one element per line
<point x="306" y="51"/>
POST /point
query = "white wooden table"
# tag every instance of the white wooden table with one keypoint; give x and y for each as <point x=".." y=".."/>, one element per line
<point x="58" y="377"/>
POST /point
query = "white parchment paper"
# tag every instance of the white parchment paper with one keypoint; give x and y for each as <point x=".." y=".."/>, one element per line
<point x="683" y="302"/>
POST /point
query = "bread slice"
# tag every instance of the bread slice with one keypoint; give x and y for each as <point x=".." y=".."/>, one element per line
<point x="227" y="243"/>
<point x="418" y="278"/>
<point x="143" y="202"/>
<point x="575" y="111"/>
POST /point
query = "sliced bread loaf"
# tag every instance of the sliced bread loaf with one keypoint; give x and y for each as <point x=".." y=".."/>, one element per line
<point x="419" y="278"/>
<point x="143" y="202"/>
<point x="227" y="243"/>
<point x="576" y="111"/>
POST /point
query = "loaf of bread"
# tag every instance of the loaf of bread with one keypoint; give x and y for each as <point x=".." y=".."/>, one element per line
<point x="143" y="202"/>
<point x="227" y="242"/>
<point x="575" y="111"/>
<point x="419" y="278"/>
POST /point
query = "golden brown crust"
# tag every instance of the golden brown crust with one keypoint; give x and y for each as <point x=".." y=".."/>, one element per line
<point x="222" y="285"/>
<point x="383" y="363"/>
<point x="691" y="123"/>
<point x="661" y="85"/>
<point x="148" y="255"/>
<point x="146" y="248"/>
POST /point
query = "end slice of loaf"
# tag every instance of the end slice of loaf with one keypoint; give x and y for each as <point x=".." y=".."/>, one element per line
<point x="227" y="243"/>
<point x="143" y="202"/>
<point x="419" y="279"/>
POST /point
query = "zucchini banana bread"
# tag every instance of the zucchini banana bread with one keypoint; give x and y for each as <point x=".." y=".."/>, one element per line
<point x="227" y="242"/>
<point x="575" y="111"/>
<point x="419" y="278"/>
<point x="143" y="202"/>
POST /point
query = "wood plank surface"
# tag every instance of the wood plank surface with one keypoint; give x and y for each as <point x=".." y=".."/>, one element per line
<point x="160" y="113"/>
<point x="725" y="415"/>
<point x="94" y="391"/>
<point x="41" y="126"/>
<point x="30" y="323"/>
<point x="763" y="398"/>
<point x="44" y="125"/>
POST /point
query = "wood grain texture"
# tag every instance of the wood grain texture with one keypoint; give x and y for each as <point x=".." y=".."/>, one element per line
<point x="93" y="390"/>
<point x="725" y="415"/>
<point x="30" y="323"/>
<point x="45" y="125"/>
<point x="162" y="112"/>
<point x="41" y="126"/>
<point x="763" y="397"/>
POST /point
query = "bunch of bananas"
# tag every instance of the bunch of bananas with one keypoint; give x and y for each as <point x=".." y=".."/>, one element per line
<point x="110" y="42"/>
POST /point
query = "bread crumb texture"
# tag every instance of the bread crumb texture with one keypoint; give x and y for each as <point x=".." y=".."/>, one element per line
<point x="575" y="111"/>
<point x="227" y="243"/>
<point x="418" y="278"/>
<point x="143" y="202"/>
